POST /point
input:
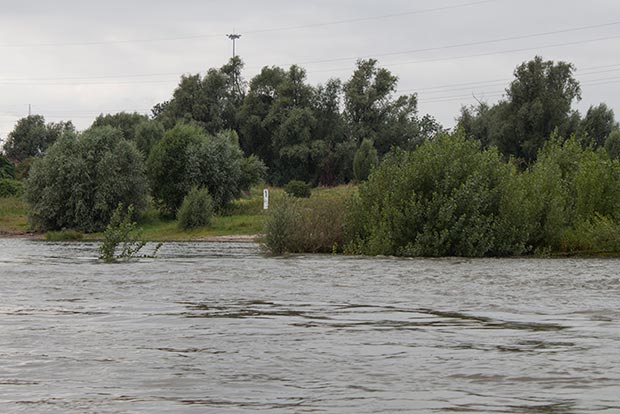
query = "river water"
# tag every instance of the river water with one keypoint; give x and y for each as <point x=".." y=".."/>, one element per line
<point x="219" y="328"/>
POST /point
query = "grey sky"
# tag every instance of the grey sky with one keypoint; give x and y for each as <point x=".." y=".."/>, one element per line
<point x="72" y="60"/>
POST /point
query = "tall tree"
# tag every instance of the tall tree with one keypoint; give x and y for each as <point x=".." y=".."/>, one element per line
<point x="31" y="137"/>
<point x="597" y="124"/>
<point x="255" y="127"/>
<point x="373" y="112"/>
<point x="211" y="101"/>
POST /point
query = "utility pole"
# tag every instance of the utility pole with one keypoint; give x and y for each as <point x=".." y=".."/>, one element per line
<point x="29" y="110"/>
<point x="233" y="37"/>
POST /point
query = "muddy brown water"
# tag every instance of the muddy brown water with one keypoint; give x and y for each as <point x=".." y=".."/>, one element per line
<point x="219" y="328"/>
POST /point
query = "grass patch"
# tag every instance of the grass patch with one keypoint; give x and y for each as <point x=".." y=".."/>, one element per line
<point x="64" y="235"/>
<point x="13" y="215"/>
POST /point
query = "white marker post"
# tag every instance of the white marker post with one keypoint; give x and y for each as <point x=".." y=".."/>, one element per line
<point x="265" y="199"/>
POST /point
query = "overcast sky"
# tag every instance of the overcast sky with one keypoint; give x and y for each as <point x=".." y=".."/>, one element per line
<point x="71" y="60"/>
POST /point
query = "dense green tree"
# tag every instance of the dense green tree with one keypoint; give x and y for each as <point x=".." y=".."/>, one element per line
<point x="538" y="101"/>
<point x="7" y="168"/>
<point x="187" y="157"/>
<point x="126" y="122"/>
<point x="256" y="127"/>
<point x="83" y="177"/>
<point x="147" y="134"/>
<point x="373" y="112"/>
<point x="212" y="101"/>
<point x="612" y="145"/>
<point x="31" y="137"/>
<point x="365" y="160"/>
<point x="596" y="125"/>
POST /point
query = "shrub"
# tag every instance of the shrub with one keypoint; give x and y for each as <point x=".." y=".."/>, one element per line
<point x="567" y="187"/>
<point x="299" y="189"/>
<point x="447" y="198"/>
<point x="196" y="210"/>
<point x="10" y="187"/>
<point x="82" y="178"/>
<point x="280" y="231"/>
<point x="597" y="235"/>
<point x="120" y="232"/>
<point x="313" y="225"/>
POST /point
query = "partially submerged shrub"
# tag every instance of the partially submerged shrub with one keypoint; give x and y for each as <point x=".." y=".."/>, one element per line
<point x="196" y="210"/>
<point x="313" y="225"/>
<point x="120" y="242"/>
<point x="280" y="227"/>
<point x="299" y="189"/>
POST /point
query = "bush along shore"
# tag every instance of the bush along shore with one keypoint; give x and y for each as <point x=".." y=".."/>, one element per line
<point x="451" y="197"/>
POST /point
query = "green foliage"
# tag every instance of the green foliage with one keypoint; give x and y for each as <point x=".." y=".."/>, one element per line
<point x="366" y="158"/>
<point x="10" y="187"/>
<point x="596" y="126"/>
<point x="31" y="137"/>
<point x="187" y="157"/>
<point x="567" y="187"/>
<point x="119" y="237"/>
<point x="372" y="111"/>
<point x="447" y="198"/>
<point x="147" y="134"/>
<point x="82" y="179"/>
<point x="612" y="145"/>
<point x="299" y="189"/>
<point x="124" y="121"/>
<point x="22" y="170"/>
<point x="280" y="232"/>
<point x="253" y="171"/>
<point x="64" y="235"/>
<point x="196" y="210"/>
<point x="7" y="168"/>
<point x="211" y="101"/>
<point x="539" y="101"/>
<point x="313" y="225"/>
<point x="598" y="234"/>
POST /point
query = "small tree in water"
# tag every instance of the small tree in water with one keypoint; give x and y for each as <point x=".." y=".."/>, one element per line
<point x="119" y="233"/>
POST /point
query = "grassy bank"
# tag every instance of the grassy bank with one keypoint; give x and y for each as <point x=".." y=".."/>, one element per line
<point x="13" y="216"/>
<point x="244" y="217"/>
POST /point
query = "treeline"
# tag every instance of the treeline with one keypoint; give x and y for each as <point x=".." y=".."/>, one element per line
<point x="452" y="197"/>
<point x="221" y="133"/>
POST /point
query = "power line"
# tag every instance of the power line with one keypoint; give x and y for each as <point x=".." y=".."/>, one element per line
<point x="500" y="52"/>
<point x="409" y="51"/>
<point x="458" y="45"/>
<point x="255" y="31"/>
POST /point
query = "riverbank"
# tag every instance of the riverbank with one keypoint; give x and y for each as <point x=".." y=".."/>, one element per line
<point x="242" y="221"/>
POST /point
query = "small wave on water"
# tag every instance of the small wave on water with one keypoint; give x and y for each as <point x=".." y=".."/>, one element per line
<point x="217" y="327"/>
